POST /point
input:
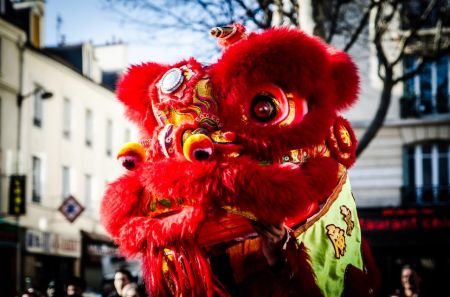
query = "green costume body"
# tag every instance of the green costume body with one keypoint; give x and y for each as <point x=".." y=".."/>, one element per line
<point x="333" y="239"/>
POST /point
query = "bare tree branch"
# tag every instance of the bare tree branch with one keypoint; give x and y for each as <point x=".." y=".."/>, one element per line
<point x="381" y="22"/>
<point x="422" y="62"/>
<point x="362" y="24"/>
<point x="206" y="7"/>
<point x="347" y="19"/>
<point x="386" y="93"/>
<point x="415" y="27"/>
<point x="334" y="20"/>
<point x="292" y="14"/>
<point x="251" y="14"/>
<point x="380" y="29"/>
<point x="230" y="10"/>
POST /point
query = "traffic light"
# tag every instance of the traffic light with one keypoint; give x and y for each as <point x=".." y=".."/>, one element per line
<point x="17" y="195"/>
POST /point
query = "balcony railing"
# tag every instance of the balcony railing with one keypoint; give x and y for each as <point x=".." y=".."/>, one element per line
<point x="426" y="195"/>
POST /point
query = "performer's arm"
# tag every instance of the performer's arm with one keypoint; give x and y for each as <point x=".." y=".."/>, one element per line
<point x="273" y="239"/>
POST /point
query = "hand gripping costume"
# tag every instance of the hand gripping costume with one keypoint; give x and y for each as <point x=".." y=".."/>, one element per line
<point x="253" y="137"/>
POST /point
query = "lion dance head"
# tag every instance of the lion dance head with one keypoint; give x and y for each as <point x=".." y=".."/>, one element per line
<point x="255" y="135"/>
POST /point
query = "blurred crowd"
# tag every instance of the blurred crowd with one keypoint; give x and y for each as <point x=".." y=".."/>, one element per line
<point x="124" y="285"/>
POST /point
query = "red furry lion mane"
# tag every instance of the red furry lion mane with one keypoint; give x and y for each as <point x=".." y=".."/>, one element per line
<point x="174" y="263"/>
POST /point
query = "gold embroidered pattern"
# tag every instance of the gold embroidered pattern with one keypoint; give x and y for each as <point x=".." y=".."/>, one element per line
<point x="347" y="214"/>
<point x="345" y="136"/>
<point x="337" y="237"/>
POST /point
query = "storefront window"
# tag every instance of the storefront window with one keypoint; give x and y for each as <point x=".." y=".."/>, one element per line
<point x="426" y="173"/>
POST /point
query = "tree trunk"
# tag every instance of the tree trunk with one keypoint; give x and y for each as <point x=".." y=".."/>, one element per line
<point x="278" y="19"/>
<point x="312" y="17"/>
<point x="383" y="107"/>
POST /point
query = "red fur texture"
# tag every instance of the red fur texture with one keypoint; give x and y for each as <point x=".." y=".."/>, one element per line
<point x="297" y="63"/>
<point x="306" y="70"/>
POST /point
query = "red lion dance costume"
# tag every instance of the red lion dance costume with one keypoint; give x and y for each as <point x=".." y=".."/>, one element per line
<point x="252" y="140"/>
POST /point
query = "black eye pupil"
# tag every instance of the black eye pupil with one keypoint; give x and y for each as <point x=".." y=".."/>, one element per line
<point x="264" y="108"/>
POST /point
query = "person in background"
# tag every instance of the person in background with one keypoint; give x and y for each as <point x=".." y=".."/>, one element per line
<point x="55" y="289"/>
<point x="122" y="277"/>
<point x="30" y="289"/>
<point x="130" y="290"/>
<point x="30" y="292"/>
<point x="75" y="287"/>
<point x="410" y="281"/>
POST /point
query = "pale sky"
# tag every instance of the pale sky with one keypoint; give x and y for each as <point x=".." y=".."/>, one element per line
<point x="85" y="20"/>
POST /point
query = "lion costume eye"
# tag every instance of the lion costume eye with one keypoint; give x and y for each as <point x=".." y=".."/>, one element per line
<point x="264" y="107"/>
<point x="270" y="105"/>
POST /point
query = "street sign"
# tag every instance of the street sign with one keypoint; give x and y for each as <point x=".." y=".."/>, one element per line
<point x="17" y="195"/>
<point x="71" y="208"/>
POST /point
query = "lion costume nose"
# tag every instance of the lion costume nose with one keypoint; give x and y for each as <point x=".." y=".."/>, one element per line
<point x="198" y="147"/>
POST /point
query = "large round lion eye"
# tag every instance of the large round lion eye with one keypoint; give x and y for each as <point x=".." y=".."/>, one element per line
<point x="264" y="107"/>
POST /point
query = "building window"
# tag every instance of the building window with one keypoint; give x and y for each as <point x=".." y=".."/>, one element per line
<point x="88" y="191"/>
<point x="37" y="118"/>
<point x="37" y="180"/>
<point x="66" y="118"/>
<point x="426" y="173"/>
<point x="109" y="136"/>
<point x="412" y="10"/>
<point x="428" y="92"/>
<point x="88" y="127"/>
<point x="65" y="182"/>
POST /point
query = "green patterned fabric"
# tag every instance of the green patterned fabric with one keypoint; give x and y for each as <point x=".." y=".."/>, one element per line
<point x="329" y="232"/>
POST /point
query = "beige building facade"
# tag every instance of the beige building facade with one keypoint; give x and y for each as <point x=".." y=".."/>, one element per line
<point x="60" y="130"/>
<point x="401" y="181"/>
